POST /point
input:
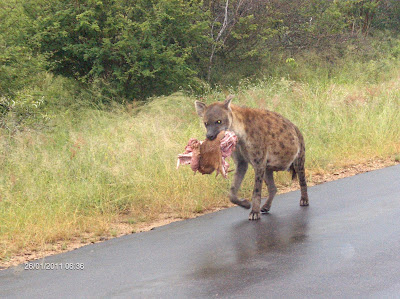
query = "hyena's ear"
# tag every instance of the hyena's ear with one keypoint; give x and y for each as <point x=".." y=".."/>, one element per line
<point x="200" y="108"/>
<point x="228" y="100"/>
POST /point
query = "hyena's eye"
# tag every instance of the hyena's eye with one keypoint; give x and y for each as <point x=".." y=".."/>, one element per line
<point x="206" y="124"/>
<point x="218" y="122"/>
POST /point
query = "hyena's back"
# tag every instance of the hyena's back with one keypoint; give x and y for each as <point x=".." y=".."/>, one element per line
<point x="267" y="138"/>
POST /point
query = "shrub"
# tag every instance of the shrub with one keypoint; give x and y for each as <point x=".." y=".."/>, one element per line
<point x="129" y="50"/>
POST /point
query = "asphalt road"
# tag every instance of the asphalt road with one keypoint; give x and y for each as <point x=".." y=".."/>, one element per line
<point x="345" y="244"/>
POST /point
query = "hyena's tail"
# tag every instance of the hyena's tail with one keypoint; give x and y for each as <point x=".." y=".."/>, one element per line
<point x="298" y="163"/>
<point x="293" y="171"/>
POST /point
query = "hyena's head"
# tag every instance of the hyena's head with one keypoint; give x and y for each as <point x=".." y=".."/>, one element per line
<point x="217" y="117"/>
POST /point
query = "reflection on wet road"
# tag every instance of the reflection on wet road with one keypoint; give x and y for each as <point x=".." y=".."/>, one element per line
<point x="263" y="248"/>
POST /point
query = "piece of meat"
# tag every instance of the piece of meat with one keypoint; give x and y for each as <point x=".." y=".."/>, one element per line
<point x="206" y="156"/>
<point x="211" y="156"/>
<point x="228" y="144"/>
<point x="195" y="161"/>
<point x="191" y="155"/>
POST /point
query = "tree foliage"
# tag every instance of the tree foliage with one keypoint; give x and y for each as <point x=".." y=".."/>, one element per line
<point x="130" y="49"/>
<point x="137" y="49"/>
<point x="19" y="65"/>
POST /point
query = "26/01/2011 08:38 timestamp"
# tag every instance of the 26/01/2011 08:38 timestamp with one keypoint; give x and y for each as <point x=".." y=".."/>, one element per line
<point x="54" y="266"/>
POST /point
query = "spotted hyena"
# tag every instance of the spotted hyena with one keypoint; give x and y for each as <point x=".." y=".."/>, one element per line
<point x="266" y="140"/>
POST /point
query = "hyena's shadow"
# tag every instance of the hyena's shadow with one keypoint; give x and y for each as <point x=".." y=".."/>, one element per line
<point x="255" y="248"/>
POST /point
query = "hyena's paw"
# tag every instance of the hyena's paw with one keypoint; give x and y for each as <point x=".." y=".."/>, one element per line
<point x="304" y="202"/>
<point x="244" y="203"/>
<point x="254" y="215"/>
<point x="264" y="210"/>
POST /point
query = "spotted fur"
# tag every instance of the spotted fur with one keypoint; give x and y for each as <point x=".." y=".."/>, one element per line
<point x="266" y="140"/>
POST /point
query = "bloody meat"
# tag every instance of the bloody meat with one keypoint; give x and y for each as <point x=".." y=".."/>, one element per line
<point x="206" y="156"/>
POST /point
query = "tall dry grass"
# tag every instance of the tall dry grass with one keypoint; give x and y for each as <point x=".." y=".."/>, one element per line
<point x="94" y="166"/>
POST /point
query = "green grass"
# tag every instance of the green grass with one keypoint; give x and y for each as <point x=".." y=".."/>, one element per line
<point x="93" y="167"/>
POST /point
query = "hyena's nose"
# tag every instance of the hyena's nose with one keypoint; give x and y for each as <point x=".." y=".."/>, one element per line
<point x="210" y="136"/>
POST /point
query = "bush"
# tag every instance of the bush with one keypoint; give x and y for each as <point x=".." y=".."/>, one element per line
<point x="128" y="50"/>
<point x="19" y="66"/>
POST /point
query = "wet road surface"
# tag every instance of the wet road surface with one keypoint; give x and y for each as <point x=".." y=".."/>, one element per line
<point x="345" y="244"/>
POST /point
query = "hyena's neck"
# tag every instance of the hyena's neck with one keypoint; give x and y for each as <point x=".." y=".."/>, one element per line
<point x="238" y="124"/>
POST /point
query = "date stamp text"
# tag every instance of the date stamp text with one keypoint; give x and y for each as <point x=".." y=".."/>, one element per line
<point x="54" y="266"/>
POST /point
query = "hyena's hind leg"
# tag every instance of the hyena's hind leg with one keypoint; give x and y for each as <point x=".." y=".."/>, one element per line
<point x="269" y="180"/>
<point x="298" y="166"/>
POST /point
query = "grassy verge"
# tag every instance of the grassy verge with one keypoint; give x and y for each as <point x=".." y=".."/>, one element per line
<point x="94" y="167"/>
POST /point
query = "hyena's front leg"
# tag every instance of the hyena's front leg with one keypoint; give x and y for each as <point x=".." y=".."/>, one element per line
<point x="269" y="180"/>
<point x="241" y="168"/>
<point x="256" y="199"/>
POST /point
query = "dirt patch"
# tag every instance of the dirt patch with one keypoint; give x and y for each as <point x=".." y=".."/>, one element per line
<point x="333" y="174"/>
<point x="123" y="228"/>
